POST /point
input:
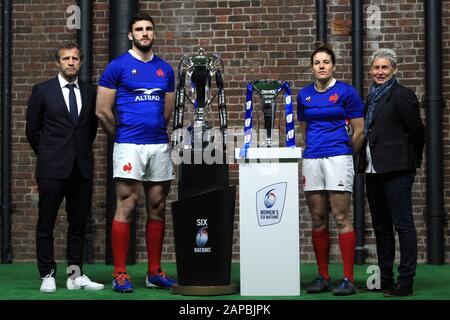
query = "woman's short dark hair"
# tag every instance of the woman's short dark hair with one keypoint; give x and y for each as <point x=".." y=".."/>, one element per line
<point x="68" y="45"/>
<point x="140" y="17"/>
<point x="323" y="47"/>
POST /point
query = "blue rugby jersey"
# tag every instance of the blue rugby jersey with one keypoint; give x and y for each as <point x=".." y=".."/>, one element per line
<point x="141" y="88"/>
<point x="325" y="114"/>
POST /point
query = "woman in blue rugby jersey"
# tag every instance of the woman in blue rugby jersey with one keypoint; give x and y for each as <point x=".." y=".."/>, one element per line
<point x="324" y="107"/>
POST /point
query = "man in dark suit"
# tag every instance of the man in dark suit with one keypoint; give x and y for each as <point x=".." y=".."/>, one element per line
<point x="61" y="127"/>
<point x="395" y="138"/>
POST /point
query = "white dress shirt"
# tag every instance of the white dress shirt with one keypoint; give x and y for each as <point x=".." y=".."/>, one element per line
<point x="369" y="168"/>
<point x="65" y="91"/>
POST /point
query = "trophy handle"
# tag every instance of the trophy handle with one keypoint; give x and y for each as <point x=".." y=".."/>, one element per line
<point x="185" y="63"/>
<point x="178" y="112"/>
<point x="222" y="108"/>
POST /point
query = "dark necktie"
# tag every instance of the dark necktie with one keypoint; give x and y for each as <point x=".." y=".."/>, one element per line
<point x="72" y="102"/>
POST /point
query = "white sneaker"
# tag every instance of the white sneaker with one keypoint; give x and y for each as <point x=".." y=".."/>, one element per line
<point x="83" y="282"/>
<point x="48" y="283"/>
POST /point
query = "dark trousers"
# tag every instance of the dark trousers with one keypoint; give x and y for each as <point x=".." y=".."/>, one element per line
<point x="78" y="195"/>
<point x="390" y="202"/>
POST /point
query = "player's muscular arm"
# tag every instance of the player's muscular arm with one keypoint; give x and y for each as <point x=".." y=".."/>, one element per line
<point x="169" y="103"/>
<point x="106" y="98"/>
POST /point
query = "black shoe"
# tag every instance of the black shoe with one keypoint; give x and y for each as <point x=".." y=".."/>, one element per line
<point x="374" y="290"/>
<point x="346" y="288"/>
<point x="400" y="290"/>
<point x="319" y="285"/>
<point x="383" y="288"/>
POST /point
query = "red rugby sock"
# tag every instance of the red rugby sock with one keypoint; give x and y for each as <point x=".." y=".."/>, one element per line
<point x="154" y="236"/>
<point x="120" y="237"/>
<point x="347" y="243"/>
<point x="321" y="243"/>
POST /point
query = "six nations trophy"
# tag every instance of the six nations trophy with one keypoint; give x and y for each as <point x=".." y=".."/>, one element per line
<point x="198" y="71"/>
<point x="203" y="215"/>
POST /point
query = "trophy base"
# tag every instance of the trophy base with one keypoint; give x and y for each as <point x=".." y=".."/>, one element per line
<point x="204" y="290"/>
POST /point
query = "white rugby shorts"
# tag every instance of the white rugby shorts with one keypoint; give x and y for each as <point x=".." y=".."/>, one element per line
<point x="331" y="173"/>
<point x="143" y="162"/>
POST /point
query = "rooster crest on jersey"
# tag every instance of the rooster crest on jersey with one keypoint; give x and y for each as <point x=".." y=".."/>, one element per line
<point x="333" y="98"/>
<point x="160" y="73"/>
<point x="127" y="167"/>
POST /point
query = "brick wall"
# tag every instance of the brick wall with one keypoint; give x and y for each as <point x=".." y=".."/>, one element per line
<point x="257" y="39"/>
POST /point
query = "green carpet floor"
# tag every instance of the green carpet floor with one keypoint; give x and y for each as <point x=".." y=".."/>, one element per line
<point x="20" y="281"/>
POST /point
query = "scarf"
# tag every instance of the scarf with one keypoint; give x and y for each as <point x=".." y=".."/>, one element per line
<point x="376" y="92"/>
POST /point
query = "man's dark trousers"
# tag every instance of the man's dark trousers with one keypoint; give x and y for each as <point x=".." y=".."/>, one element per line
<point x="77" y="192"/>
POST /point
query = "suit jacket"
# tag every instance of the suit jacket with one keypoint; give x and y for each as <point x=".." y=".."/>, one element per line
<point x="396" y="134"/>
<point x="54" y="138"/>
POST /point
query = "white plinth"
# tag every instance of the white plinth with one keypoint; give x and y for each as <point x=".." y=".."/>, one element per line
<point x="269" y="222"/>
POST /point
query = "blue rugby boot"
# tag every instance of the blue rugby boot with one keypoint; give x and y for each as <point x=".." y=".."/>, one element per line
<point x="159" y="280"/>
<point x="122" y="282"/>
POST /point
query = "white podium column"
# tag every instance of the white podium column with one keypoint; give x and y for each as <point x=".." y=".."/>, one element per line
<point x="269" y="222"/>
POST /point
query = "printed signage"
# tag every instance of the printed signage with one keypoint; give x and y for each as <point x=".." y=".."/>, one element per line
<point x="270" y="204"/>
<point x="201" y="238"/>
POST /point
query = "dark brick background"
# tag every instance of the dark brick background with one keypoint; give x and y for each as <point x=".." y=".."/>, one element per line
<point x="257" y="39"/>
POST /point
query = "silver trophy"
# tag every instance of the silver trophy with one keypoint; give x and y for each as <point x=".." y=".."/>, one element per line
<point x="197" y="71"/>
<point x="268" y="91"/>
